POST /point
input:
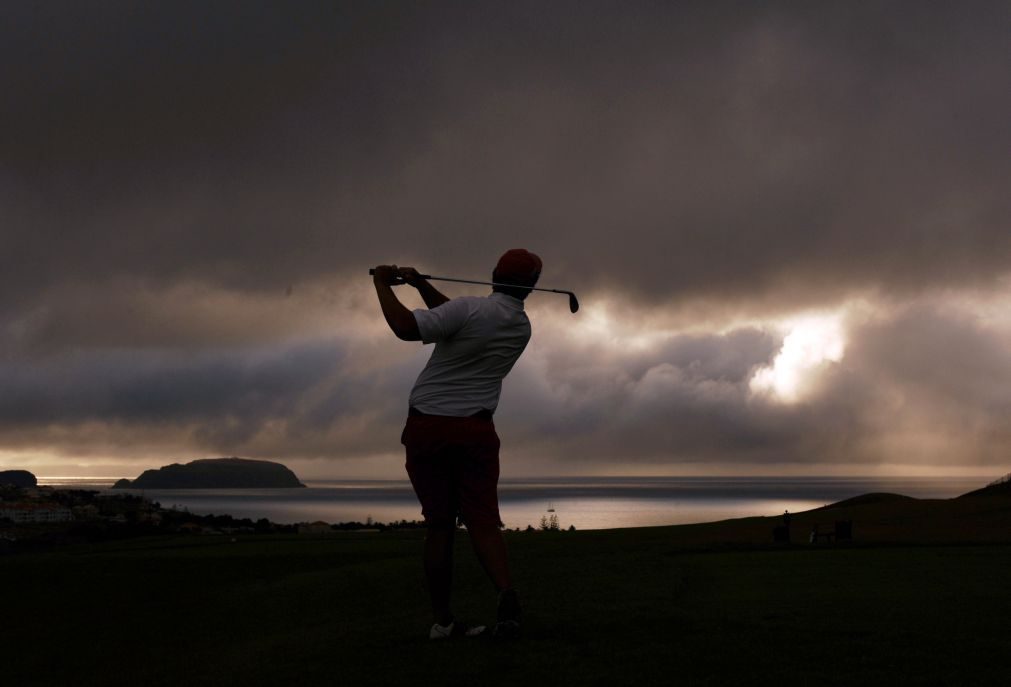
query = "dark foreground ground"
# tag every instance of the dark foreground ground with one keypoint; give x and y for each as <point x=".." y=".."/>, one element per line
<point x="703" y="604"/>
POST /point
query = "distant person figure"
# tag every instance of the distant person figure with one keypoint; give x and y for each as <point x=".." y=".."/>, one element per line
<point x="786" y="526"/>
<point x="450" y="440"/>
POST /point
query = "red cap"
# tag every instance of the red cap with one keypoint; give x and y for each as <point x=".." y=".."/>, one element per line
<point x="518" y="266"/>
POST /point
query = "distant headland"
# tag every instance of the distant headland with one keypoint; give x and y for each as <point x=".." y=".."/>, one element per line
<point x="18" y="478"/>
<point x="215" y="473"/>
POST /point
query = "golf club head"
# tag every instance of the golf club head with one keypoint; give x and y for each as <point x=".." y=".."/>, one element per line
<point x="573" y="303"/>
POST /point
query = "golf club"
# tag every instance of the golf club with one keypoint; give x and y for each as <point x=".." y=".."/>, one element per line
<point x="573" y="303"/>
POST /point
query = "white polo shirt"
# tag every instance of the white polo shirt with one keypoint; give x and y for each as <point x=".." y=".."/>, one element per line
<point x="477" y="341"/>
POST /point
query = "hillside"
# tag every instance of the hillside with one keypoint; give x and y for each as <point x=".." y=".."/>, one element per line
<point x="982" y="516"/>
<point x="999" y="487"/>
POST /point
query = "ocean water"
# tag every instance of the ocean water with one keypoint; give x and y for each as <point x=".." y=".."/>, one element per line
<point x="586" y="503"/>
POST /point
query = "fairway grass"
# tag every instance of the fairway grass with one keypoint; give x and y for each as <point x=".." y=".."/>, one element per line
<point x="637" y="606"/>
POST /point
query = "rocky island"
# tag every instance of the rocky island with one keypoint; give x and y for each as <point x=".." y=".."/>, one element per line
<point x="215" y="473"/>
<point x="18" y="478"/>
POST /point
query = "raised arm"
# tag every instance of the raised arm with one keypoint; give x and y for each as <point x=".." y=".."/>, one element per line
<point x="432" y="296"/>
<point x="400" y="319"/>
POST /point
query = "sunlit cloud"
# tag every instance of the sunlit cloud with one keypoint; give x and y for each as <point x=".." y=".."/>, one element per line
<point x="598" y="322"/>
<point x="810" y="343"/>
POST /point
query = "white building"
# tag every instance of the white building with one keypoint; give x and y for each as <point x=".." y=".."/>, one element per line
<point x="34" y="512"/>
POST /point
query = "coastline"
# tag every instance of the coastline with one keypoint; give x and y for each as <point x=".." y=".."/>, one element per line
<point x="585" y="503"/>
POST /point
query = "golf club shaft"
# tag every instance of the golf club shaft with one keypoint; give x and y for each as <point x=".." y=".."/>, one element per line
<point x="488" y="283"/>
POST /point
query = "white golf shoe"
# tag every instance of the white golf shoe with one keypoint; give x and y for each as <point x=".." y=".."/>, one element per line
<point x="455" y="629"/>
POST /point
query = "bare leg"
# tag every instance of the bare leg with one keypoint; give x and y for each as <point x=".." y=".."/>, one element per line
<point x="439" y="570"/>
<point x="490" y="548"/>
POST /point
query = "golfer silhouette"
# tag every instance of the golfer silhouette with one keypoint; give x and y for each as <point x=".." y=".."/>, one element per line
<point x="450" y="440"/>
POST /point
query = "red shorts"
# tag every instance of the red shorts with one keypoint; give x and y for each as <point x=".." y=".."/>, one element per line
<point x="453" y="466"/>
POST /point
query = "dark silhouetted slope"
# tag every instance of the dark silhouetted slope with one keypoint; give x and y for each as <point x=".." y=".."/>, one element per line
<point x="1000" y="487"/>
<point x="877" y="498"/>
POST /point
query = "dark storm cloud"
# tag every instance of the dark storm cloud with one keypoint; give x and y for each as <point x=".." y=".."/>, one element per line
<point x="672" y="151"/>
<point x="128" y="386"/>
<point x="933" y="381"/>
<point x="686" y="401"/>
<point x="223" y="400"/>
<point x="299" y="399"/>
<point x="923" y="385"/>
<point x="169" y="170"/>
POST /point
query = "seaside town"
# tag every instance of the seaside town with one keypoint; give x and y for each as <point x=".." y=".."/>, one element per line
<point x="34" y="516"/>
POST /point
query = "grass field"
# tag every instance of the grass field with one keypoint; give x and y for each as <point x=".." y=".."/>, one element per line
<point x="671" y="605"/>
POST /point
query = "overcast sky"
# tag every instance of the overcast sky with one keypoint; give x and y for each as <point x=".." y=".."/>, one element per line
<point x="787" y="224"/>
